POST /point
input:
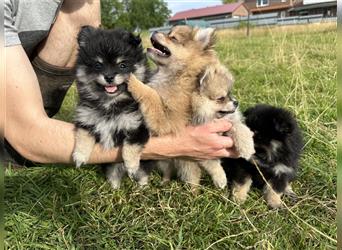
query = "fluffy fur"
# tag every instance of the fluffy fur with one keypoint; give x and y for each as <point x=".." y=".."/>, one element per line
<point x="278" y="145"/>
<point x="106" y="112"/>
<point x="181" y="56"/>
<point x="213" y="100"/>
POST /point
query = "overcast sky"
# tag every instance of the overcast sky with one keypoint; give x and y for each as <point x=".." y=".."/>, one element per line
<point x="179" y="5"/>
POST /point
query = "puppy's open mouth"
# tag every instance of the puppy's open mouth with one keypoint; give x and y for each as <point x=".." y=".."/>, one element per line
<point x="159" y="49"/>
<point x="224" y="112"/>
<point x="110" y="89"/>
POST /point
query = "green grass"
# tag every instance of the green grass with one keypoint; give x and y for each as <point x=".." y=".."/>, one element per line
<point x="60" y="207"/>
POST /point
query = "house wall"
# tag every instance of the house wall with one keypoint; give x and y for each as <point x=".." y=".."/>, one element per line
<point x="317" y="1"/>
<point x="251" y="4"/>
<point x="275" y="6"/>
<point x="240" y="11"/>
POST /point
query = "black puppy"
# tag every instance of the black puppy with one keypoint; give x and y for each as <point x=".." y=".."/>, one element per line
<point x="106" y="112"/>
<point x="278" y="145"/>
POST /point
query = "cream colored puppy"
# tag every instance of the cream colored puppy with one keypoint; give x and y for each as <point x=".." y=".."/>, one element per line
<point x="213" y="100"/>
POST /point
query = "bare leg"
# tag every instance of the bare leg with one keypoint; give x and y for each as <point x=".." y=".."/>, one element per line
<point x="216" y="172"/>
<point x="60" y="47"/>
<point x="240" y="190"/>
<point x="56" y="55"/>
<point x="83" y="147"/>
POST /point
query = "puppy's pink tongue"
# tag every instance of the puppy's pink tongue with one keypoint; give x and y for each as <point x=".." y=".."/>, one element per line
<point x="111" y="89"/>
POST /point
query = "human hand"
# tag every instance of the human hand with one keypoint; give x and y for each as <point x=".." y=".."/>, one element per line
<point x="204" y="142"/>
<point x="194" y="142"/>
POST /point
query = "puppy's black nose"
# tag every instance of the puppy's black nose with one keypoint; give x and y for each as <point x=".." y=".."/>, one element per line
<point x="236" y="104"/>
<point x="109" y="79"/>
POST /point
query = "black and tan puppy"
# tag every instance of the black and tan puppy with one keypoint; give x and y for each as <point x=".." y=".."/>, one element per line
<point x="106" y="112"/>
<point x="278" y="145"/>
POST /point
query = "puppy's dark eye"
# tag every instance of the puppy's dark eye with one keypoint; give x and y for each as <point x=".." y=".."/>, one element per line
<point x="98" y="66"/>
<point x="174" y="39"/>
<point x="122" y="65"/>
<point x="221" y="99"/>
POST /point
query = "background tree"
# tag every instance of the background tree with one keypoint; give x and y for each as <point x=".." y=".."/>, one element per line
<point x="134" y="14"/>
<point x="145" y="14"/>
<point x="111" y="11"/>
<point x="229" y="1"/>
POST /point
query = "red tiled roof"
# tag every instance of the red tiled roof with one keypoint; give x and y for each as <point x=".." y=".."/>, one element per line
<point x="208" y="11"/>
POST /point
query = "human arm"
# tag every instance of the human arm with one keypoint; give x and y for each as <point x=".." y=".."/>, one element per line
<point x="27" y="127"/>
<point x="42" y="139"/>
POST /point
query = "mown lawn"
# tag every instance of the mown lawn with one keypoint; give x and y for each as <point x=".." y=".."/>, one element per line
<point x="60" y="207"/>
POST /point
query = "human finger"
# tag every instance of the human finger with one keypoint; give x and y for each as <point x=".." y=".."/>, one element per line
<point x="226" y="153"/>
<point x="219" y="126"/>
<point x="225" y="141"/>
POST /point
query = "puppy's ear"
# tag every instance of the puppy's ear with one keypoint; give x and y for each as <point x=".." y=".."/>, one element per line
<point x="206" y="37"/>
<point x="133" y="39"/>
<point x="283" y="127"/>
<point x="136" y="40"/>
<point x="204" y="78"/>
<point x="84" y="34"/>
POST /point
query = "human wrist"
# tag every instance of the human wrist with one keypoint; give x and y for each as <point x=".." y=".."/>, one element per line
<point x="159" y="148"/>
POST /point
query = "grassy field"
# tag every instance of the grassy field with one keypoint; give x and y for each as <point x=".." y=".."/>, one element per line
<point x="60" y="207"/>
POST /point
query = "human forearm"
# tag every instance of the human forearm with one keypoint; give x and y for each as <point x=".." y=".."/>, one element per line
<point x="52" y="141"/>
<point x="48" y="140"/>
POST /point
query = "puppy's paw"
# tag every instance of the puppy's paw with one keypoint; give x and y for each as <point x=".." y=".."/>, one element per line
<point x="247" y="151"/>
<point x="133" y="174"/>
<point x="79" y="158"/>
<point x="165" y="181"/>
<point x="239" y="196"/>
<point x="132" y="79"/>
<point x="243" y="138"/>
<point x="291" y="194"/>
<point x="143" y="181"/>
<point x="273" y="200"/>
<point x="240" y="190"/>
<point x="275" y="203"/>
<point x="195" y="190"/>
<point x="141" y="177"/>
<point x="220" y="181"/>
<point x="115" y="184"/>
